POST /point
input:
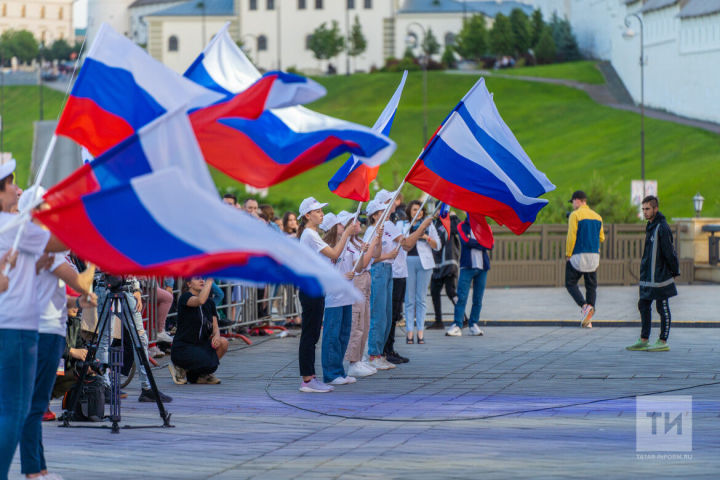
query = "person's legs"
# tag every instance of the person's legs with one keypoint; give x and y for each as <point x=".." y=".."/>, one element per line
<point x="413" y="266"/>
<point x="436" y="285"/>
<point x="345" y="329"/>
<point x="663" y="308"/>
<point x="50" y="350"/>
<point x="466" y="275"/>
<point x="378" y="309"/>
<point x="18" y="362"/>
<point x="421" y="288"/>
<point x="398" y="297"/>
<point x="164" y="302"/>
<point x="645" y="317"/>
<point x="312" y="314"/>
<point x="360" y="320"/>
<point x="450" y="282"/>
<point x="331" y="357"/>
<point x="389" y="326"/>
<point x="590" y="287"/>
<point x="479" y="280"/>
<point x="142" y="334"/>
<point x="572" y="277"/>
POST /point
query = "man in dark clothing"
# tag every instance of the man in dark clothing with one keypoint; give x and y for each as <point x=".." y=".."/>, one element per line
<point x="658" y="267"/>
<point x="445" y="273"/>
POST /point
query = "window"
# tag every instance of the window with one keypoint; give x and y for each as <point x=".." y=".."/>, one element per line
<point x="271" y="4"/>
<point x="42" y="11"/>
<point x="22" y="11"/>
<point x="350" y="4"/>
<point x="302" y="4"/>
<point x="261" y="43"/>
<point x="368" y="4"/>
<point x="308" y="38"/>
<point x="449" y="39"/>
<point x="173" y="44"/>
<point x="61" y="14"/>
<point x="4" y="10"/>
<point x="253" y="5"/>
<point x="318" y="4"/>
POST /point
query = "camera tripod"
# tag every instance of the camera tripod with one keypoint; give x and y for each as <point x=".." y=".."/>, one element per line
<point x="115" y="304"/>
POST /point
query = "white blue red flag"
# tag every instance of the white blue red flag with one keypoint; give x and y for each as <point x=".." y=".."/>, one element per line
<point x="163" y="224"/>
<point x="353" y="179"/>
<point x="474" y="163"/>
<point x="444" y="216"/>
<point x="280" y="143"/>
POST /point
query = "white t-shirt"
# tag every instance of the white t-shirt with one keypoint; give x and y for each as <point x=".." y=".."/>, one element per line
<point x="356" y="252"/>
<point x="312" y="239"/>
<point x="51" y="293"/>
<point x="18" y="310"/>
<point x="399" y="266"/>
<point x="476" y="256"/>
<point x="344" y="264"/>
<point x="390" y="234"/>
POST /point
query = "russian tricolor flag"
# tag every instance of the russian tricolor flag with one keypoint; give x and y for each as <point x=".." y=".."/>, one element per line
<point x="353" y="179"/>
<point x="279" y="144"/>
<point x="474" y="163"/>
<point x="163" y="224"/>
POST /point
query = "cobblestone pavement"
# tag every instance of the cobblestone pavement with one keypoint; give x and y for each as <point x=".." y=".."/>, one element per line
<point x="519" y="402"/>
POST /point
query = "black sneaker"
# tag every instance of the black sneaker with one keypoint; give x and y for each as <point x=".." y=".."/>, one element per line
<point x="402" y="359"/>
<point x="149" y="396"/>
<point x="393" y="359"/>
<point x="436" y="326"/>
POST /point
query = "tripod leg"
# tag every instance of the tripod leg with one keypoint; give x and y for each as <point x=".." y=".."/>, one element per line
<point x="129" y="323"/>
<point x="103" y="319"/>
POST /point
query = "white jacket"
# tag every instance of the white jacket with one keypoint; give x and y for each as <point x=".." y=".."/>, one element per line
<point x="425" y="251"/>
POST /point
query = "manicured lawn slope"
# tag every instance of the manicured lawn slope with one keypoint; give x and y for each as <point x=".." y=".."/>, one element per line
<point x="583" y="71"/>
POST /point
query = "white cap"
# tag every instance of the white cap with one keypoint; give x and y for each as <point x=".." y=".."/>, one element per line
<point x="28" y="196"/>
<point x="383" y="196"/>
<point x="374" y="206"/>
<point x="329" y="221"/>
<point x="344" y="217"/>
<point x="310" y="204"/>
<point x="7" y="168"/>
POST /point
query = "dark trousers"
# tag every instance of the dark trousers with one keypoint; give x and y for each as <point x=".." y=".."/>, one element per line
<point x="572" y="277"/>
<point x="313" y="309"/>
<point x="436" y="286"/>
<point x="197" y="360"/>
<point x="663" y="308"/>
<point x="398" y="297"/>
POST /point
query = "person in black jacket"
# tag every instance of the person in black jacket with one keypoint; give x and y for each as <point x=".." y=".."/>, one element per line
<point x="658" y="268"/>
<point x="445" y="273"/>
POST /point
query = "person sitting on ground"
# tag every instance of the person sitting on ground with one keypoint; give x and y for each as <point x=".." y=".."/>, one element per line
<point x="197" y="346"/>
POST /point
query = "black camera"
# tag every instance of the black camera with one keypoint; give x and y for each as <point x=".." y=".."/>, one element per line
<point x="114" y="283"/>
<point x="95" y="366"/>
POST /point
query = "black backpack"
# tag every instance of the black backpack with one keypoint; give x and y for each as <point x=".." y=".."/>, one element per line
<point x="90" y="405"/>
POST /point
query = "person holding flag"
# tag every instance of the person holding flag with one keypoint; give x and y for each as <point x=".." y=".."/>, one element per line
<point x="447" y="258"/>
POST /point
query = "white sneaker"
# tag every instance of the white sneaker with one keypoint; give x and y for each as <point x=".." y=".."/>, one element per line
<point x="164" y="337"/>
<point x="366" y="365"/>
<point x="51" y="476"/>
<point x="358" y="369"/>
<point x="343" y="380"/>
<point x="453" y="331"/>
<point x="155" y="352"/>
<point x="315" y="386"/>
<point x="475" y="330"/>
<point x="389" y="365"/>
<point x="379" y="364"/>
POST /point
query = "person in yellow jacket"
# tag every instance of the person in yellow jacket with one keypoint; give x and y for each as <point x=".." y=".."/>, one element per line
<point x="585" y="233"/>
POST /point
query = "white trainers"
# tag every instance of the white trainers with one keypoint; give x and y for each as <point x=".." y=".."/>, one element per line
<point x="164" y="337"/>
<point x="475" y="330"/>
<point x="315" y="386"/>
<point x="343" y="380"/>
<point x="51" y="476"/>
<point x="358" y="369"/>
<point x="379" y="364"/>
<point x="389" y="365"/>
<point x="367" y="366"/>
<point x="155" y="352"/>
<point x="453" y="331"/>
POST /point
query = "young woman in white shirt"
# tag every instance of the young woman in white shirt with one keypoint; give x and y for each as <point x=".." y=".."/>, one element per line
<point x="311" y="216"/>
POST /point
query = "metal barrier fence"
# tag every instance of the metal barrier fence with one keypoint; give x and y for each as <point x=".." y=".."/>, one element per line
<point x="241" y="305"/>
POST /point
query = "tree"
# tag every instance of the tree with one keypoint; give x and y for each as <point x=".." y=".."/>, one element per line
<point x="537" y="25"/>
<point x="502" y="41"/>
<point x="357" y="43"/>
<point x="522" y="33"/>
<point x="448" y="57"/>
<point x="472" y="42"/>
<point x="20" y="44"/>
<point x="59" y="50"/>
<point x="545" y="51"/>
<point x="326" y="43"/>
<point x="565" y="42"/>
<point x="430" y="45"/>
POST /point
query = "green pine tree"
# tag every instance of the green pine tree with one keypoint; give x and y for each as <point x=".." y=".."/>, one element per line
<point x="448" y="57"/>
<point x="522" y="32"/>
<point x="545" y="51"/>
<point x="502" y="41"/>
<point x="472" y="41"/>
<point x="326" y="43"/>
<point x="357" y="43"/>
<point x="537" y="25"/>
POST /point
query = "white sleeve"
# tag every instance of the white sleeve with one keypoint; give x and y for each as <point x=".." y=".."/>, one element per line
<point x="34" y="239"/>
<point x="432" y="231"/>
<point x="58" y="261"/>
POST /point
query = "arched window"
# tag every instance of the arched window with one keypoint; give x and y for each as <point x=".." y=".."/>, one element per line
<point x="22" y="11"/>
<point x="261" y="43"/>
<point x="449" y="39"/>
<point x="172" y="44"/>
<point x="253" y="5"/>
<point x="307" y="42"/>
<point x="61" y="13"/>
<point x="42" y="11"/>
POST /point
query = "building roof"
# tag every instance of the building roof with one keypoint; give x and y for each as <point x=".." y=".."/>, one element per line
<point x="144" y="3"/>
<point x="653" y="5"/>
<point x="488" y="8"/>
<point x="194" y="8"/>
<point x="698" y="8"/>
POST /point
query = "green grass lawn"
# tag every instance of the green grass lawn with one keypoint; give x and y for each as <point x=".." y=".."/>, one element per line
<point x="583" y="71"/>
<point x="565" y="133"/>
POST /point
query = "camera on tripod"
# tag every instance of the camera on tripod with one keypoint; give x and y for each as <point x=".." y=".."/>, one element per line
<point x="113" y="283"/>
<point x="95" y="365"/>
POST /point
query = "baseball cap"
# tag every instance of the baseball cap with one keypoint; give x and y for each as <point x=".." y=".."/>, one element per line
<point x="329" y="221"/>
<point x="7" y="168"/>
<point x="374" y="206"/>
<point x="310" y="204"/>
<point x="344" y="217"/>
<point x="578" y="194"/>
<point x="383" y="196"/>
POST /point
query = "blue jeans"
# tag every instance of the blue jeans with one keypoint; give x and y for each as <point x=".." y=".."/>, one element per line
<point x="102" y="351"/>
<point x="416" y="288"/>
<point x="32" y="453"/>
<point x="18" y="362"/>
<point x="380" y="307"/>
<point x="336" y="334"/>
<point x="477" y="278"/>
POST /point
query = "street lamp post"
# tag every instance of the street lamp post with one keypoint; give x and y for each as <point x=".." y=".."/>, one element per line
<point x="629" y="33"/>
<point x="347" y="37"/>
<point x="411" y="41"/>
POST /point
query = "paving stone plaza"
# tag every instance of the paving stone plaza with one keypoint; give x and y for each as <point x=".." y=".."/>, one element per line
<point x="519" y="402"/>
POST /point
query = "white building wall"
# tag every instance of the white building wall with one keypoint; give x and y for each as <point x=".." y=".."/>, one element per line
<point x="48" y="21"/>
<point x="138" y="22"/>
<point x="113" y="12"/>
